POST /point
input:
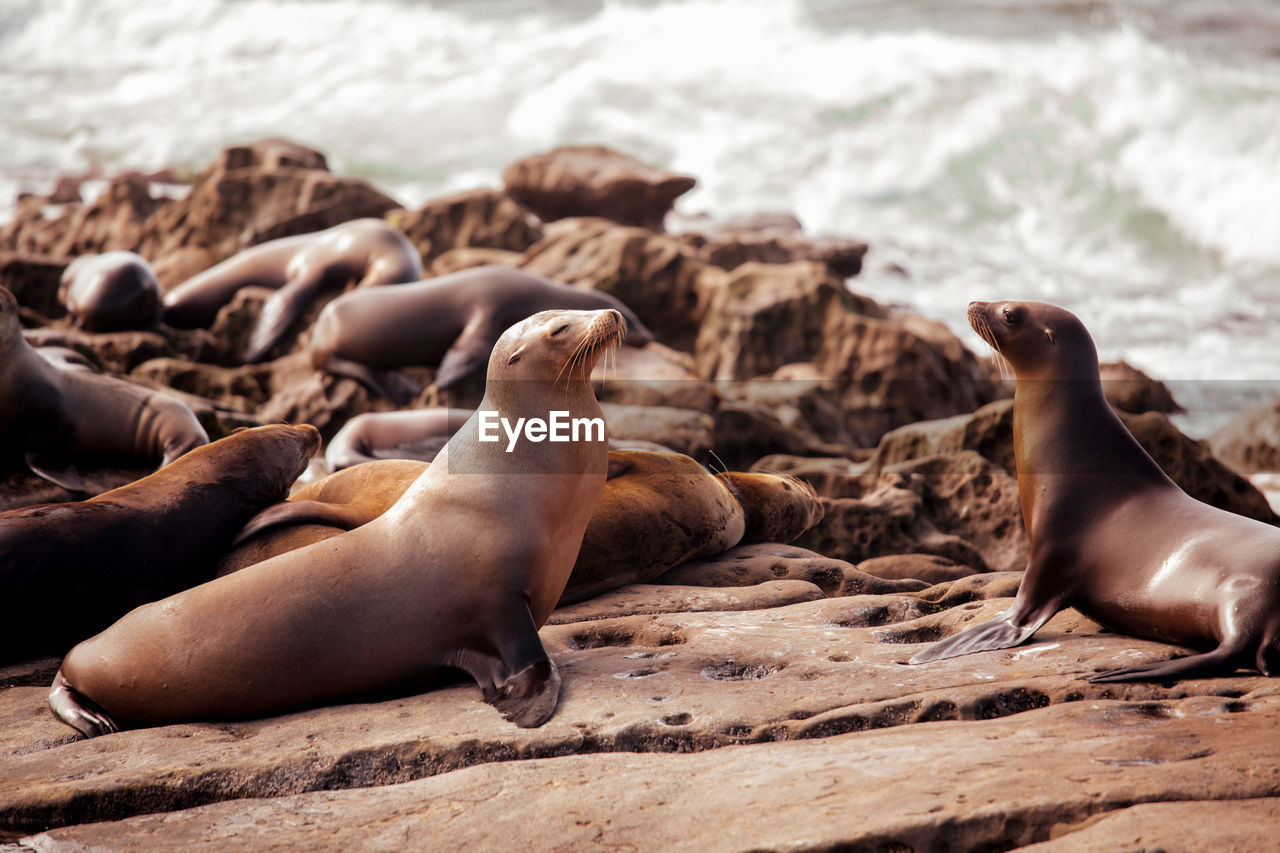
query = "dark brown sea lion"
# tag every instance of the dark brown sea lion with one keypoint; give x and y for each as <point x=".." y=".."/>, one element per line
<point x="110" y="292"/>
<point x="48" y="413"/>
<point x="459" y="573"/>
<point x="69" y="570"/>
<point x="1110" y="533"/>
<point x="451" y="321"/>
<point x="368" y="251"/>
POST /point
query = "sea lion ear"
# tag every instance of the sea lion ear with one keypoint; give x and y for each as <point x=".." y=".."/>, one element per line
<point x="1048" y="333"/>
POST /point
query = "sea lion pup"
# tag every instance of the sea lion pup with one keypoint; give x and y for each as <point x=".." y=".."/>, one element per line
<point x="460" y="572"/>
<point x="110" y="292"/>
<point x="297" y="268"/>
<point x="1110" y="533"/>
<point x="451" y="321"/>
<point x="48" y="413"/>
<point x="69" y="570"/>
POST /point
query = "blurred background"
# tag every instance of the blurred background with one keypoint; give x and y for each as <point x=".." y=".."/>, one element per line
<point x="1119" y="158"/>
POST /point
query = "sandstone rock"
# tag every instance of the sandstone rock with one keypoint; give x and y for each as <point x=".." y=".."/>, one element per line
<point x="764" y="562"/>
<point x="682" y="430"/>
<point x="826" y="673"/>
<point x="653" y="375"/>
<point x="249" y="193"/>
<point x="1129" y="389"/>
<point x="237" y="388"/>
<point x="653" y="274"/>
<point x="114" y="220"/>
<point x="807" y="403"/>
<point x="300" y="394"/>
<point x="649" y="598"/>
<point x="33" y="281"/>
<point x="590" y="180"/>
<point x="1227" y="824"/>
<point x="1250" y="442"/>
<point x="925" y="567"/>
<point x="480" y="219"/>
<point x="988" y="431"/>
<point x="744" y="432"/>
<point x="730" y="247"/>
<point x="457" y="260"/>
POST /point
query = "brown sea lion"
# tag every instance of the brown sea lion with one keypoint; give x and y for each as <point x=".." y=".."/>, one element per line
<point x="48" y="413"/>
<point x="658" y="510"/>
<point x="110" y="292"/>
<point x="368" y="251"/>
<point x="405" y="434"/>
<point x="459" y="573"/>
<point x="451" y="321"/>
<point x="69" y="570"/>
<point x="1110" y="533"/>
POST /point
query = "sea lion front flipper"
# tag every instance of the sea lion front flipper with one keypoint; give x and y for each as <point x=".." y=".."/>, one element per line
<point x="58" y="469"/>
<point x="77" y="711"/>
<point x="521" y="681"/>
<point x="279" y="312"/>
<point x="469" y="353"/>
<point x="396" y="387"/>
<point x="290" y="513"/>
<point x="1001" y="633"/>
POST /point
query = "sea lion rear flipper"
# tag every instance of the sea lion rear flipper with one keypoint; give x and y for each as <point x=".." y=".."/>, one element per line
<point x="279" y="312"/>
<point x="469" y="353"/>
<point x="58" y="469"/>
<point x="1195" y="666"/>
<point x="521" y="681"/>
<point x="289" y="513"/>
<point x="999" y="633"/>
<point x="77" y="711"/>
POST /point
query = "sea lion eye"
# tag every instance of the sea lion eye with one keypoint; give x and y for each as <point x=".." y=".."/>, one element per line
<point x="1009" y="317"/>
<point x="559" y="330"/>
<point x="514" y="358"/>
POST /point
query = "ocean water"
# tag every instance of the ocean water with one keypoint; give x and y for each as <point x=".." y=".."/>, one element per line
<point x="1119" y="158"/>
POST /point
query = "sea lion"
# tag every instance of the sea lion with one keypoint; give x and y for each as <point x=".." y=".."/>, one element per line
<point x="460" y="572"/>
<point x="1110" y="533"/>
<point x="48" y="413"/>
<point x="405" y="434"/>
<point x="368" y="251"/>
<point x="658" y="510"/>
<point x="451" y="321"/>
<point x="69" y="570"/>
<point x="110" y="292"/>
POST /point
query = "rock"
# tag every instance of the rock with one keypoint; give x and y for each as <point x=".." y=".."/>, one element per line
<point x="114" y="220"/>
<point x="33" y="280"/>
<point x="457" y="260"/>
<point x="805" y="402"/>
<point x="959" y="506"/>
<point x="649" y="598"/>
<point x="825" y="677"/>
<point x="764" y="316"/>
<point x="653" y="375"/>
<point x="1226" y="824"/>
<point x="988" y="431"/>
<point x="250" y="194"/>
<point x="1129" y="389"/>
<point x="36" y="227"/>
<point x="925" y="567"/>
<point x="730" y="248"/>
<point x="477" y="219"/>
<point x="655" y="275"/>
<point x="236" y="388"/>
<point x="831" y="477"/>
<point x="1250" y="442"/>
<point x="301" y="394"/>
<point x="745" y="432"/>
<point x="682" y="430"/>
<point x="118" y="352"/>
<point x="764" y="562"/>
<point x="590" y="180"/>
<point x="891" y="369"/>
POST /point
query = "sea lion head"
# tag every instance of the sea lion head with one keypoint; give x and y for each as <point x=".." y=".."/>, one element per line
<point x="1040" y="341"/>
<point x="777" y="507"/>
<point x="557" y="346"/>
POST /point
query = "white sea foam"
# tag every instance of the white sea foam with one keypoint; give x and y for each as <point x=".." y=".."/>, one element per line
<point x="1124" y="177"/>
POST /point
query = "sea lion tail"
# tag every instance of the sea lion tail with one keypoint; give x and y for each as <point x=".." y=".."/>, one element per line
<point x="78" y="711"/>
<point x="292" y="513"/>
